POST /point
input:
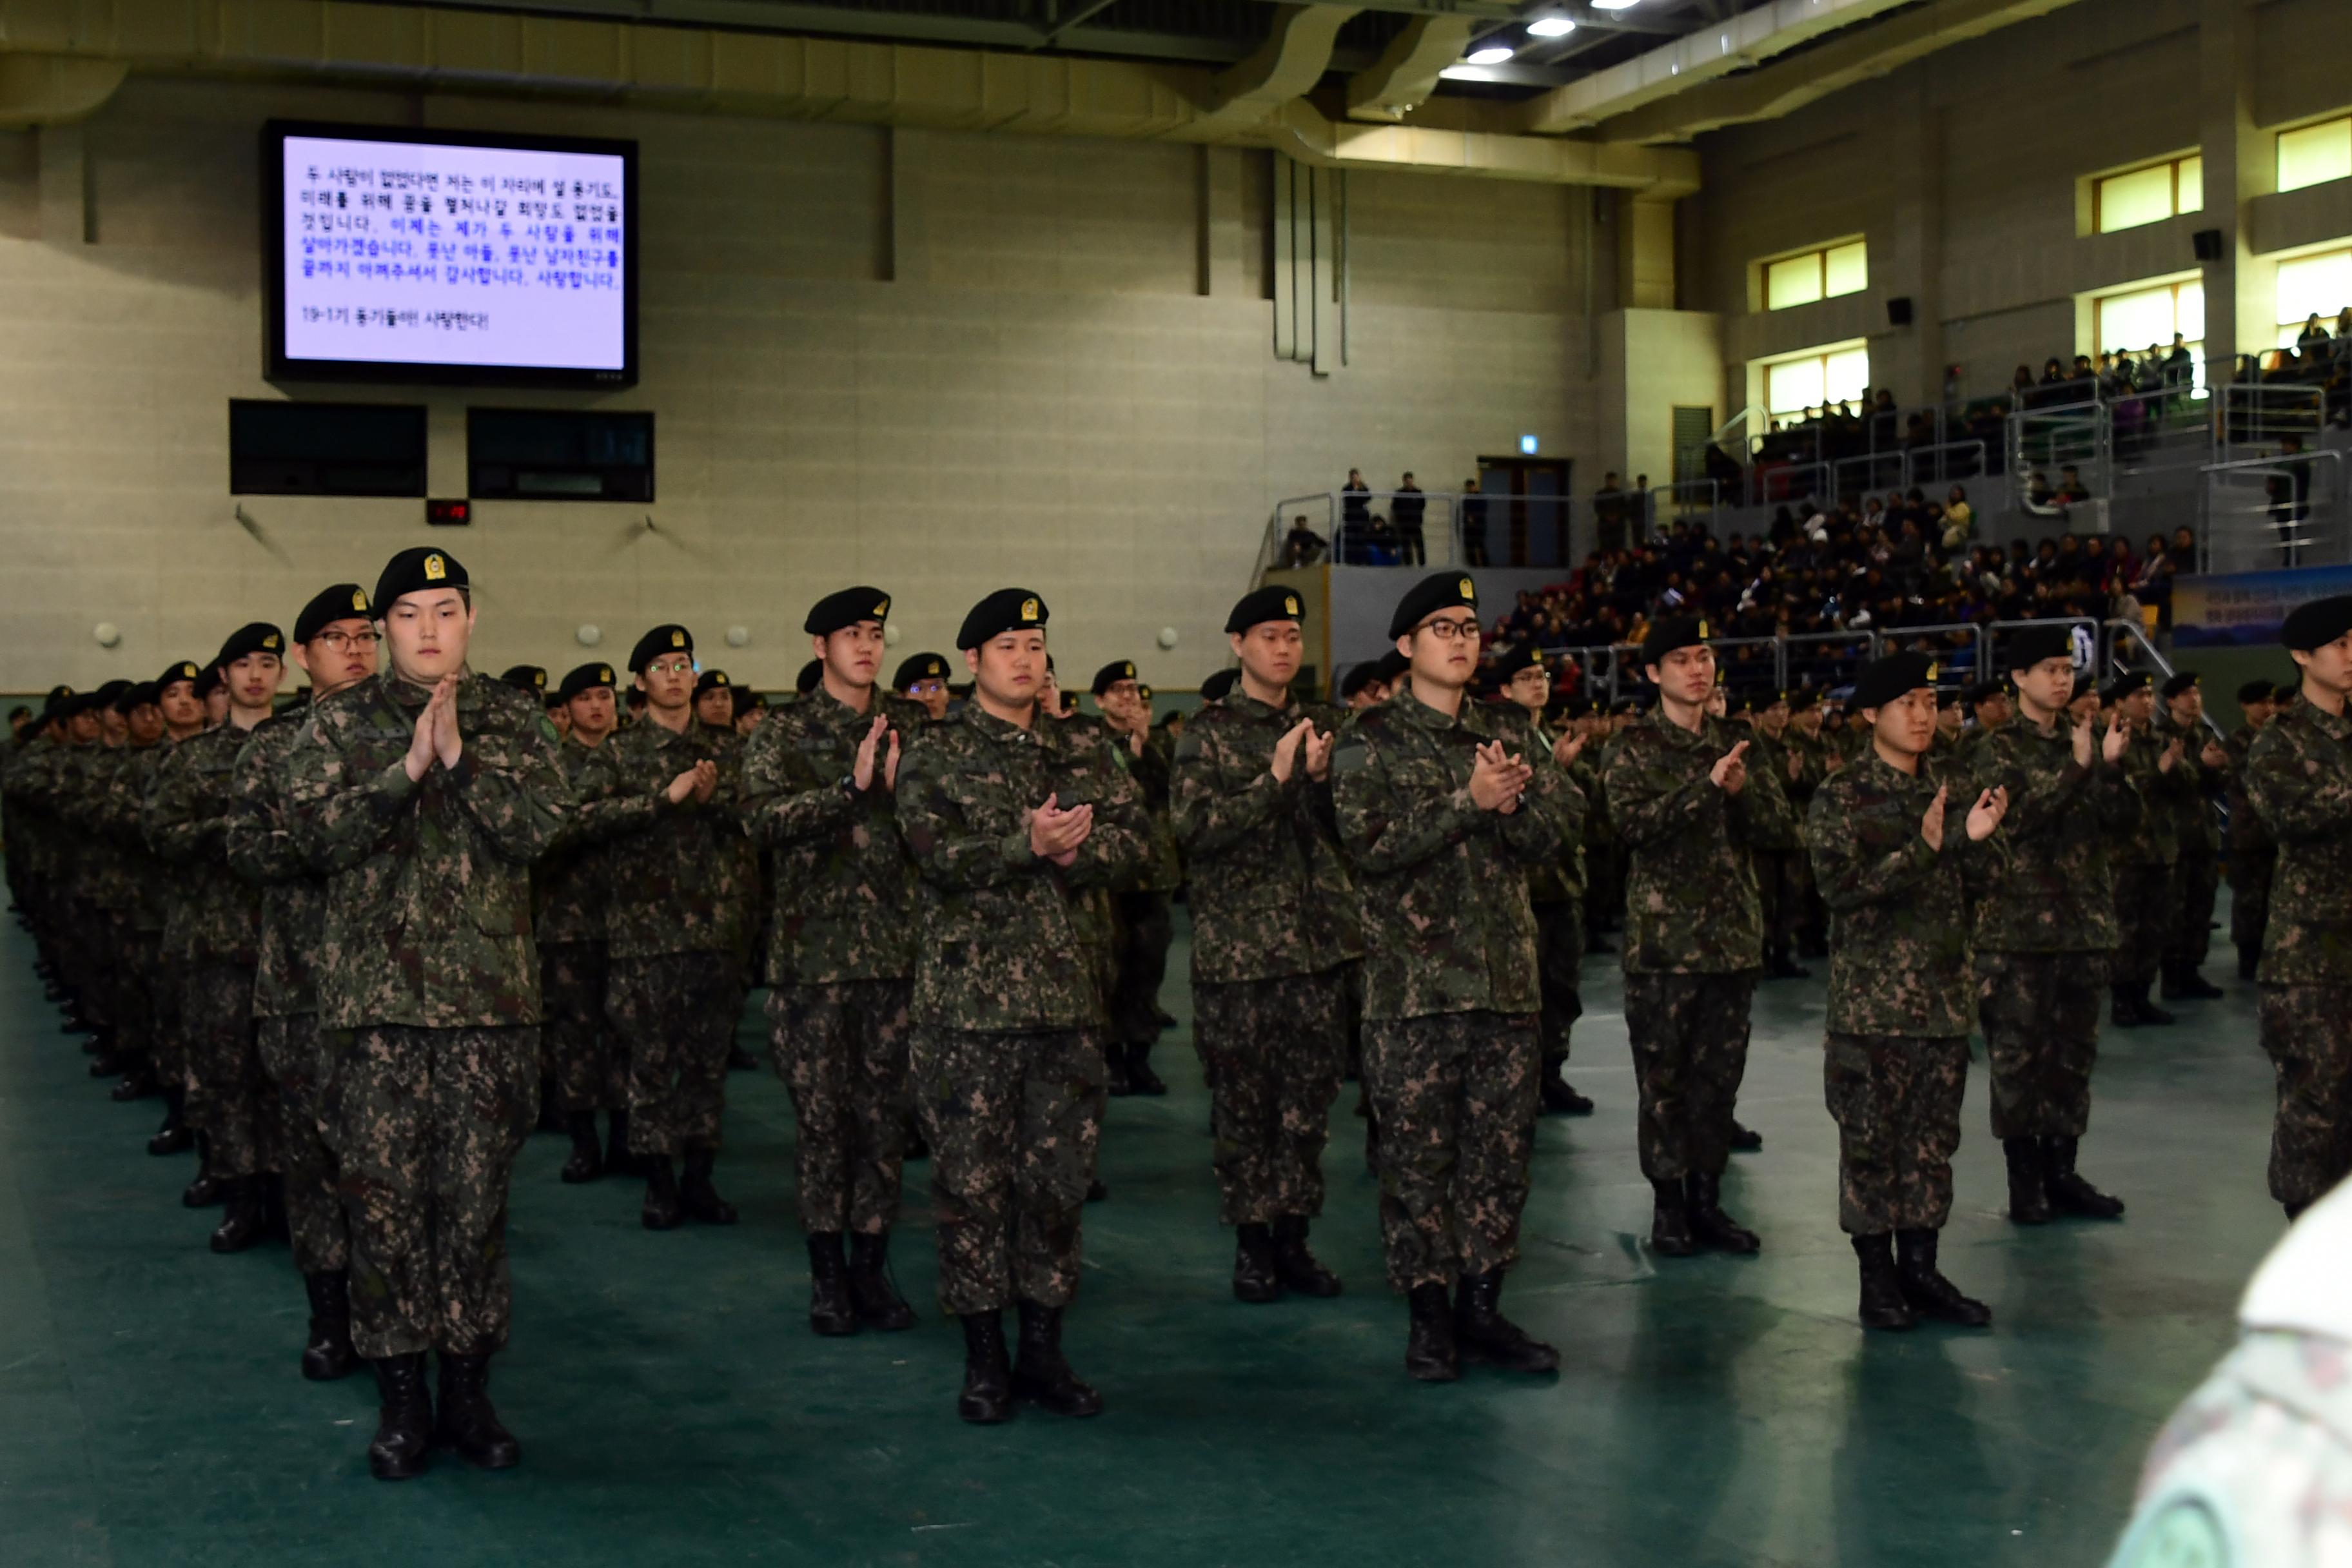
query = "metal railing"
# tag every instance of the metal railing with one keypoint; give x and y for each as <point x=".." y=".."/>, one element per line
<point x="2279" y="510"/>
<point x="2079" y="436"/>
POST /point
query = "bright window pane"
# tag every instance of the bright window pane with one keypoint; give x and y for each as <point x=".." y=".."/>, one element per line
<point x="1849" y="269"/>
<point x="2127" y="201"/>
<point x="1796" y="281"/>
<point x="2192" y="184"/>
<point x="2134" y="320"/>
<point x="1793" y="387"/>
<point x="2314" y="154"/>
<point x="2188" y="315"/>
<point x="1847" y="376"/>
<point x="2312" y="284"/>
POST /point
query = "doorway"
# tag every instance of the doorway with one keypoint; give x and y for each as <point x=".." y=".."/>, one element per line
<point x="1525" y="522"/>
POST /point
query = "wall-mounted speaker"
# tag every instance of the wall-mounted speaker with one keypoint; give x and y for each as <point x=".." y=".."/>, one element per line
<point x="2208" y="242"/>
<point x="1898" y="311"/>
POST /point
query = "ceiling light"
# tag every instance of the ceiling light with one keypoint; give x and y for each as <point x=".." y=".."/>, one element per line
<point x="1492" y="54"/>
<point x="1614" y="5"/>
<point x="1550" y="27"/>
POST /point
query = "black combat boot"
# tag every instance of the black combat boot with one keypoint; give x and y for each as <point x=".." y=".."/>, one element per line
<point x="695" y="1195"/>
<point x="1711" y="1225"/>
<point x="108" y="1060"/>
<point x="1042" y="1376"/>
<point x="1744" y="1139"/>
<point x="1430" y="1353"/>
<point x="1482" y="1334"/>
<point x="617" y="1158"/>
<point x="832" y="1312"/>
<point x="551" y="1116"/>
<point x="1928" y="1292"/>
<point x="243" y="1218"/>
<point x="587" y="1162"/>
<point x="1140" y="1079"/>
<point x="1883" y="1306"/>
<point x="1300" y="1269"/>
<point x="2183" y="982"/>
<point x="173" y="1137"/>
<point x="2149" y="1013"/>
<point x="1559" y="1099"/>
<point x="2029" y="1195"/>
<point x="877" y="1300"/>
<point x="661" y="1210"/>
<point x="2122" y="1012"/>
<point x="1096" y="1192"/>
<point x="403" y="1427"/>
<point x="987" y="1396"/>
<point x="138" y="1083"/>
<point x="465" y="1423"/>
<point x="1670" y="1226"/>
<point x="2069" y="1193"/>
<point x="1256" y="1277"/>
<point x="329" y="1354"/>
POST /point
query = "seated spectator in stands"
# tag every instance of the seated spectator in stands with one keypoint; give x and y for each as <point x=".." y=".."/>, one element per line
<point x="2152" y="584"/>
<point x="1405" y="512"/>
<point x="2071" y="487"/>
<point x="2179" y="365"/>
<point x="2040" y="498"/>
<point x="2313" y="333"/>
<point x="2184" y="548"/>
<point x="2120" y="569"/>
<point x="1302" y="546"/>
<point x="1960" y="518"/>
<point x="1473" y="518"/>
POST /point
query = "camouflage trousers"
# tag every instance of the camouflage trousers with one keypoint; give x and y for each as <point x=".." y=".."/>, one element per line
<point x="230" y="1099"/>
<point x="136" y="971"/>
<point x="314" y="1210"/>
<point x="2250" y="896"/>
<point x="1456" y="1095"/>
<point x="2144" y="922"/>
<point x="1780" y="883"/>
<point x="424" y="1125"/>
<point x="1560" y="962"/>
<point x="1897" y="1101"/>
<point x="675" y="1016"/>
<point x="1145" y="931"/>
<point x="582" y="1049"/>
<point x="2196" y="877"/>
<point x="1272" y="1051"/>
<point x="1014" y="1122"/>
<point x="1689" y="1034"/>
<point x="167" y="989"/>
<point x="82" y="950"/>
<point x="842" y="1052"/>
<point x="2308" y="1034"/>
<point x="2040" y="1013"/>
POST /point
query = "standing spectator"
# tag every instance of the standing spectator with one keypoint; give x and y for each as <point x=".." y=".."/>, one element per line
<point x="1609" y="513"/>
<point x="2289" y="485"/>
<point x="1405" y="511"/>
<point x="1473" y="524"/>
<point x="2313" y="333"/>
<point x="1355" y="501"/>
<point x="1642" y="509"/>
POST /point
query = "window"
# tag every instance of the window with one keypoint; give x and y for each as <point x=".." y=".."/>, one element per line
<point x="2139" y="322"/>
<point x="1835" y="372"/>
<point x="2309" y="286"/>
<point x="1822" y="273"/>
<point x="2311" y="154"/>
<point x="2148" y="194"/>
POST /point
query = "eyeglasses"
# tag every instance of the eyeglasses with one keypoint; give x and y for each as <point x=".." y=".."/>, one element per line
<point x="926" y="688"/>
<point x="1448" y="631"/>
<point x="670" y="667"/>
<point x="344" y="642"/>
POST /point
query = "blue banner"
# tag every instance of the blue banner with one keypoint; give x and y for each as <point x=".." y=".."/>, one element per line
<point x="2245" y="609"/>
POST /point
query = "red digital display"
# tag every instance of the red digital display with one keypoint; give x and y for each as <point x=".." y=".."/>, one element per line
<point x="449" y="513"/>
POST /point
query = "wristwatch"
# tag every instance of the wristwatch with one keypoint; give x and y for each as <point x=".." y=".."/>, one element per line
<point x="849" y="785"/>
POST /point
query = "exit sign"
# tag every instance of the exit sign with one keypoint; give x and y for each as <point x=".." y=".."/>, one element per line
<point x="1528" y="445"/>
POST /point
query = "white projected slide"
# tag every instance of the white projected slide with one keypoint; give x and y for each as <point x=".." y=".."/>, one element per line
<point x="418" y="253"/>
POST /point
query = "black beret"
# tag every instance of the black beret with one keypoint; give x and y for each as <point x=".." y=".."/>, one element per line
<point x="64" y="707"/>
<point x="1390" y="668"/>
<point x="179" y="670"/>
<point x="839" y="612"/>
<point x="1770" y="699"/>
<point x="2180" y="682"/>
<point x="254" y="636"/>
<point x="1625" y="707"/>
<point x="1217" y="684"/>
<point x="1674" y="632"/>
<point x="1006" y="610"/>
<point x="922" y="667"/>
<point x="2254" y="691"/>
<point x="748" y="701"/>
<point x="1515" y="658"/>
<point x="1898" y="674"/>
<point x="1271" y="603"/>
<point x="526" y="678"/>
<point x="140" y="694"/>
<point x="412" y="572"/>
<point x="1801" y="699"/>
<point x="208" y="683"/>
<point x="109" y="695"/>
<point x="1950" y="697"/>
<point x="811" y="673"/>
<point x="2123" y="686"/>
<point x="662" y="640"/>
<point x="2317" y="624"/>
<point x="343" y="601"/>
<point x="1438" y="591"/>
<point x="1358" y="676"/>
<point x="1984" y="692"/>
<point x="550" y="701"/>
<point x="2038" y="640"/>
<point x="58" y="697"/>
<point x="713" y="680"/>
<point x="1111" y="674"/>
<point x="586" y="678"/>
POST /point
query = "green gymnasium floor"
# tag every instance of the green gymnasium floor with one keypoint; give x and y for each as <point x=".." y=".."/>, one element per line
<point x="674" y="1409"/>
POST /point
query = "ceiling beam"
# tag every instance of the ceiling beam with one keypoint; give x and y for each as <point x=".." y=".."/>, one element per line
<point x="1295" y="53"/>
<point x="1406" y="73"/>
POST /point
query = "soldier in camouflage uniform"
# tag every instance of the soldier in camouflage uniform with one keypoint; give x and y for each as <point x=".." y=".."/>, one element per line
<point x="1804" y="738"/>
<point x="2197" y="876"/>
<point x="1896" y="872"/>
<point x="335" y="645"/>
<point x="2252" y="855"/>
<point x="569" y="893"/>
<point x="1691" y="810"/>
<point x="922" y="678"/>
<point x="2046" y="929"/>
<point x="1779" y="863"/>
<point x="36" y="842"/>
<point x="1141" y="909"/>
<point x="117" y="791"/>
<point x="100" y="897"/>
<point x="48" y="784"/>
<point x="424" y="794"/>
<point x="215" y="938"/>
<point x="159" y="891"/>
<point x="820" y="781"/>
<point x="1273" y="932"/>
<point x="1009" y="826"/>
<point x="1442" y="821"/>
<point x="2299" y="777"/>
<point x="662" y="795"/>
<point x="1554" y="887"/>
<point x="2147" y="852"/>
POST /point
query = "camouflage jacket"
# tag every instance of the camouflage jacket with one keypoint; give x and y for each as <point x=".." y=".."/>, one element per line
<point x="1269" y="889"/>
<point x="1770" y="754"/>
<point x="1561" y="876"/>
<point x="2164" y="794"/>
<point x="2247" y="833"/>
<point x="1900" y="958"/>
<point x="120" y="807"/>
<point x="217" y="917"/>
<point x="2195" y="790"/>
<point x="676" y="877"/>
<point x="998" y="944"/>
<point x="2057" y="894"/>
<point x="567" y="893"/>
<point x="1691" y="902"/>
<point x="261" y="849"/>
<point x="2299" y="776"/>
<point x="1163" y="869"/>
<point x="428" y="881"/>
<point x="36" y="783"/>
<point x="1448" y="926"/>
<point x="843" y="896"/>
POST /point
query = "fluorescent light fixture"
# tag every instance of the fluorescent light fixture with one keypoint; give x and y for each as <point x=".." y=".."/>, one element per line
<point x="1614" y="5"/>
<point x="1550" y="27"/>
<point x="1492" y="54"/>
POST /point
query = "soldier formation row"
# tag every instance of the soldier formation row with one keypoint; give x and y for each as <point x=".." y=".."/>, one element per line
<point x="362" y="943"/>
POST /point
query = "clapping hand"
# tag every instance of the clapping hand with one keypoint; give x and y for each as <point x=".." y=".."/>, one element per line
<point x="1986" y="815"/>
<point x="869" y="751"/>
<point x="1497" y="779"/>
<point x="1568" y="748"/>
<point x="1285" y="751"/>
<point x="1055" y="834"/>
<point x="1931" y="821"/>
<point x="1730" y="770"/>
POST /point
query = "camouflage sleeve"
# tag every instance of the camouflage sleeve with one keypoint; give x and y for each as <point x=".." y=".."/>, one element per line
<point x="784" y="799"/>
<point x="341" y="811"/>
<point x="515" y="792"/>
<point x="2122" y="805"/>
<point x="1759" y="812"/>
<point x="945" y="851"/>
<point x="1120" y="839"/>
<point x="1860" y="860"/>
<point x="260" y="849"/>
<point x="1208" y="820"/>
<point x="1385" y="830"/>
<point x="1549" y="820"/>
<point x="2033" y="804"/>
<point x="1149" y="768"/>
<point x="604" y="806"/>
<point x="177" y="828"/>
<point x="1649" y="807"/>
<point x="2298" y="799"/>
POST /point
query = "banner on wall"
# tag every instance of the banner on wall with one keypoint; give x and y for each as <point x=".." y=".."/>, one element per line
<point x="2245" y="609"/>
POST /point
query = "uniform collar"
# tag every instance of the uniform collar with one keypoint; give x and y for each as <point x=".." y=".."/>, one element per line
<point x="989" y="727"/>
